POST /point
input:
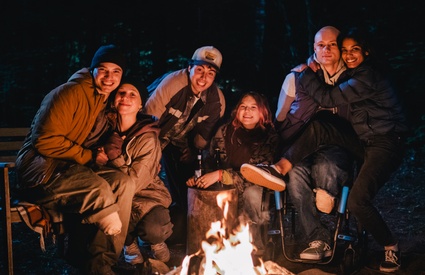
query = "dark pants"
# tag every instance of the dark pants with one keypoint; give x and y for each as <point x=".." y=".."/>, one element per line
<point x="331" y="130"/>
<point x="155" y="227"/>
<point x="382" y="157"/>
<point x="175" y="173"/>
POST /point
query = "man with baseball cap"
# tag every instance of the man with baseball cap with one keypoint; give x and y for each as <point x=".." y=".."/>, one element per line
<point x="55" y="164"/>
<point x="207" y="55"/>
<point x="188" y="104"/>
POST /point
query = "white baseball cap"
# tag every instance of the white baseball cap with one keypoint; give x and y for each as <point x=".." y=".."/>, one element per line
<point x="207" y="55"/>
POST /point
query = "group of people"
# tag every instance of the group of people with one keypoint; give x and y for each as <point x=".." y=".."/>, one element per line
<point x="362" y="95"/>
<point x="95" y="151"/>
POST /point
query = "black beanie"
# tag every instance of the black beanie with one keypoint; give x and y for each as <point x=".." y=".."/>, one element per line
<point x="140" y="86"/>
<point x="108" y="53"/>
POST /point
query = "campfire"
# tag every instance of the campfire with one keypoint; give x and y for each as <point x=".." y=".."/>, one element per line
<point x="226" y="251"/>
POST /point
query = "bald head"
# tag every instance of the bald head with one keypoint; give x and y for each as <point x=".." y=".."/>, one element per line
<point x="326" y="31"/>
<point x="326" y="48"/>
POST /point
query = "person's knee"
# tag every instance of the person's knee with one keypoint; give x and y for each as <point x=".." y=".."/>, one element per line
<point x="156" y="226"/>
<point x="124" y="184"/>
<point x="329" y="176"/>
<point x="324" y="201"/>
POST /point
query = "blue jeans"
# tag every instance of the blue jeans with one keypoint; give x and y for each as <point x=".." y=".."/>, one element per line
<point x="329" y="168"/>
<point x="381" y="156"/>
<point x="257" y="213"/>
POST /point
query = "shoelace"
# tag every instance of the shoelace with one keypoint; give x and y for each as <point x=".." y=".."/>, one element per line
<point x="315" y="244"/>
<point x="390" y="256"/>
<point x="326" y="247"/>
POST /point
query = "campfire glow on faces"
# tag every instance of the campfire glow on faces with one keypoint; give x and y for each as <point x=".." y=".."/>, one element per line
<point x="225" y="253"/>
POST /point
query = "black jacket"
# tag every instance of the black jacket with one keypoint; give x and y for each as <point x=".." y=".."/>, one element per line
<point x="374" y="107"/>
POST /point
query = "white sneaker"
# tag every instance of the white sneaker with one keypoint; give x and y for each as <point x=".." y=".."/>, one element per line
<point x="316" y="251"/>
<point x="132" y="254"/>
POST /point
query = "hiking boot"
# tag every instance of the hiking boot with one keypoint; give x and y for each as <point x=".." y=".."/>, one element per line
<point x="316" y="251"/>
<point x="392" y="261"/>
<point x="132" y="254"/>
<point x="264" y="175"/>
<point x="161" y="252"/>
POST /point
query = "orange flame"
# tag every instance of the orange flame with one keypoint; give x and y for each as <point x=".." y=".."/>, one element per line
<point x="226" y="253"/>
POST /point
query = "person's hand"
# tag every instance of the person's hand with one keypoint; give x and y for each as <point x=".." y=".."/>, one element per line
<point x="101" y="157"/>
<point x="113" y="146"/>
<point x="190" y="182"/>
<point x="299" y="68"/>
<point x="313" y="64"/>
<point x="207" y="180"/>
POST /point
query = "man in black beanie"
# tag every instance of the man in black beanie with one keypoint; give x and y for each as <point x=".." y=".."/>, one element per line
<point x="56" y="163"/>
<point x="108" y="53"/>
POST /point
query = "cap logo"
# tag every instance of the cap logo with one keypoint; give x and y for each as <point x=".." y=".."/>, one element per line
<point x="210" y="56"/>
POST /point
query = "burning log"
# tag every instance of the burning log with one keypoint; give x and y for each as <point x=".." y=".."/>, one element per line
<point x="271" y="268"/>
<point x="215" y="246"/>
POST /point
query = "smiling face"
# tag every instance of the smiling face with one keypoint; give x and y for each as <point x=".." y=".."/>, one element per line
<point x="201" y="77"/>
<point x="352" y="53"/>
<point x="248" y="113"/>
<point x="107" y="76"/>
<point x="127" y="100"/>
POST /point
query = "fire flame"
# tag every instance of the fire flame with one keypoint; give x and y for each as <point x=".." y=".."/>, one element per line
<point x="226" y="253"/>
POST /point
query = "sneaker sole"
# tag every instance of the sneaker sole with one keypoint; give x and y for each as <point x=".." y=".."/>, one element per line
<point x="262" y="178"/>
<point x="310" y="257"/>
<point x="327" y="254"/>
<point x="388" y="270"/>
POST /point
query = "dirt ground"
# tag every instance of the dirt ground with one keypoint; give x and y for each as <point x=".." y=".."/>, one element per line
<point x="401" y="202"/>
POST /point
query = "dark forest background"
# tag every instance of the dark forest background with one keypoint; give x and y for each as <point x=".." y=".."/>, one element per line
<point x="44" y="42"/>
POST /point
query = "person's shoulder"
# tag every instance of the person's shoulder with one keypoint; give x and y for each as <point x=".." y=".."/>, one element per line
<point x="215" y="87"/>
<point x="366" y="71"/>
<point x="178" y="75"/>
<point x="291" y="76"/>
<point x="82" y="75"/>
<point x="172" y="81"/>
